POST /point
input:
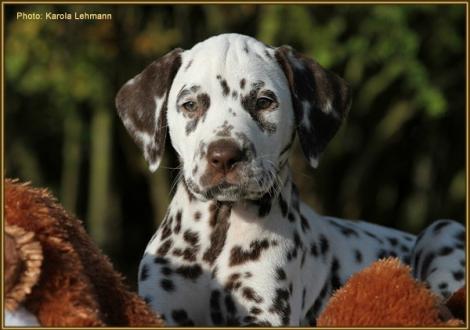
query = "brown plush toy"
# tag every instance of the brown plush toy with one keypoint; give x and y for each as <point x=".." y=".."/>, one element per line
<point x="386" y="294"/>
<point x="55" y="273"/>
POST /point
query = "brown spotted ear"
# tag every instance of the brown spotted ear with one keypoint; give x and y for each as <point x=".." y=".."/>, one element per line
<point x="142" y="102"/>
<point x="320" y="99"/>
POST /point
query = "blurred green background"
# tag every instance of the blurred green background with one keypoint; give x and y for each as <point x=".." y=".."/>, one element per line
<point x="399" y="160"/>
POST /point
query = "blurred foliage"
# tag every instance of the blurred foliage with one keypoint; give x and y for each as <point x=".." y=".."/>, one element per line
<point x="399" y="160"/>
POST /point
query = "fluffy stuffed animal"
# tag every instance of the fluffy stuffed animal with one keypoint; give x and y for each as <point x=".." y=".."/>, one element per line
<point x="385" y="294"/>
<point x="55" y="275"/>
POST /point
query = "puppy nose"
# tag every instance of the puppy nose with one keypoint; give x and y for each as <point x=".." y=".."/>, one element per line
<point x="223" y="155"/>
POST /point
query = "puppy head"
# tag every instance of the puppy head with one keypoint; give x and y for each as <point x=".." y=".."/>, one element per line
<point x="232" y="106"/>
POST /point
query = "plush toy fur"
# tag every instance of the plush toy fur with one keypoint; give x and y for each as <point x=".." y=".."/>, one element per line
<point x="385" y="294"/>
<point x="76" y="284"/>
<point x="457" y="303"/>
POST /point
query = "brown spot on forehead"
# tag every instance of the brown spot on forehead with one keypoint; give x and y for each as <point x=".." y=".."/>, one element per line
<point x="242" y="83"/>
<point x="224" y="85"/>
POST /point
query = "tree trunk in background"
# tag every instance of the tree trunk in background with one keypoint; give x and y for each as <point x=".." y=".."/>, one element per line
<point x="102" y="229"/>
<point x="25" y="161"/>
<point x="71" y="159"/>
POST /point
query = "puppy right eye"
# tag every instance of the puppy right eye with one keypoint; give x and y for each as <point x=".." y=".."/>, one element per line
<point x="263" y="103"/>
<point x="190" y="106"/>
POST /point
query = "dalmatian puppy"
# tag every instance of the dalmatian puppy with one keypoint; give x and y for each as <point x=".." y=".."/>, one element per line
<point x="237" y="245"/>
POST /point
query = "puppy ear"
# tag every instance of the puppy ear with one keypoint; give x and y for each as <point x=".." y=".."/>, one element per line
<point x="320" y="99"/>
<point x="142" y="103"/>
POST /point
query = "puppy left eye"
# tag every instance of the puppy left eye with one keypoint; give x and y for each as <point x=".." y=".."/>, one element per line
<point x="190" y="106"/>
<point x="263" y="103"/>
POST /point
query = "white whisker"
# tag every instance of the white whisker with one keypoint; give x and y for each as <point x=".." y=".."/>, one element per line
<point x="179" y="167"/>
<point x="178" y="177"/>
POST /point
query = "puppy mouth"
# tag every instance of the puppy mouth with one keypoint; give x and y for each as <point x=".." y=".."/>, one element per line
<point x="224" y="191"/>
